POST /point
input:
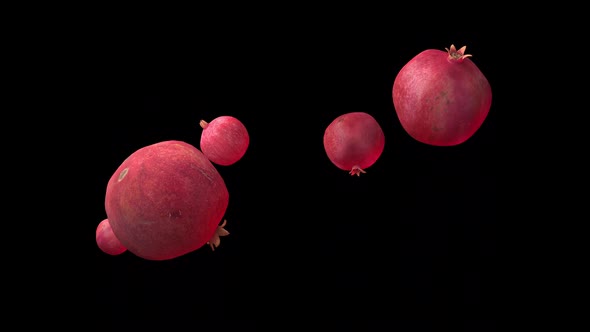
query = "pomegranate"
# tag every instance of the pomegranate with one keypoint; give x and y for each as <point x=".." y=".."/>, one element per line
<point x="106" y="239"/>
<point x="224" y="140"/>
<point x="441" y="98"/>
<point x="166" y="200"/>
<point x="354" y="141"/>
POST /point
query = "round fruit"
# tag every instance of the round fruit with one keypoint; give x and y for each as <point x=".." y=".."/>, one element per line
<point x="441" y="98"/>
<point x="106" y="239"/>
<point x="166" y="200"/>
<point x="354" y="141"/>
<point x="224" y="140"/>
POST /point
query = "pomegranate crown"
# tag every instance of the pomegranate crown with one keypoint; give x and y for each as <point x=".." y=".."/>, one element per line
<point x="457" y="54"/>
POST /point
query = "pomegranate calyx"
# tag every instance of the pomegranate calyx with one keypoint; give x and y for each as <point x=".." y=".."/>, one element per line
<point x="215" y="239"/>
<point x="457" y="54"/>
<point x="203" y="124"/>
<point x="356" y="171"/>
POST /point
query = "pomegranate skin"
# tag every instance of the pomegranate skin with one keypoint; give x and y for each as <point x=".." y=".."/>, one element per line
<point x="165" y="200"/>
<point x="106" y="239"/>
<point x="354" y="141"/>
<point x="224" y="140"/>
<point x="441" y="98"/>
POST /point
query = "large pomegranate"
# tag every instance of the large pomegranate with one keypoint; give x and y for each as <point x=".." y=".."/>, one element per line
<point x="166" y="200"/>
<point x="441" y="98"/>
<point x="354" y="141"/>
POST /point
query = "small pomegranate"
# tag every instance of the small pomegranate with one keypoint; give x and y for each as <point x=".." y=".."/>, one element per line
<point x="354" y="141"/>
<point x="106" y="239"/>
<point x="224" y="140"/>
<point x="166" y="200"/>
<point x="441" y="98"/>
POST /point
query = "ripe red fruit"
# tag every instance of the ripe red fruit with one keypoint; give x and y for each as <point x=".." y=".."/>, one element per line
<point x="166" y="200"/>
<point x="106" y="239"/>
<point x="354" y="141"/>
<point x="224" y="140"/>
<point x="441" y="98"/>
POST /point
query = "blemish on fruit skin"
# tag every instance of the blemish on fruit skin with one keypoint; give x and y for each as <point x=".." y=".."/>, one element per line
<point x="437" y="128"/>
<point x="175" y="214"/>
<point x="205" y="174"/>
<point x="122" y="175"/>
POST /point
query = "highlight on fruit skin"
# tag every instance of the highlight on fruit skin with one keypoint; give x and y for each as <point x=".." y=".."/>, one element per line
<point x="107" y="241"/>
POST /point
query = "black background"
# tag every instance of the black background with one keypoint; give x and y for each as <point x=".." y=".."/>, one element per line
<point x="410" y="243"/>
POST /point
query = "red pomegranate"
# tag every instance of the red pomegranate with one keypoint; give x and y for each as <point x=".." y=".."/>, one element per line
<point x="166" y="200"/>
<point x="354" y="141"/>
<point x="441" y="98"/>
<point x="106" y="239"/>
<point x="224" y="140"/>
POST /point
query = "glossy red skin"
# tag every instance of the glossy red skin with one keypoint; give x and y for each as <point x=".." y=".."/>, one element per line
<point x="439" y="101"/>
<point x="106" y="239"/>
<point x="225" y="140"/>
<point x="165" y="200"/>
<point x="354" y="139"/>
